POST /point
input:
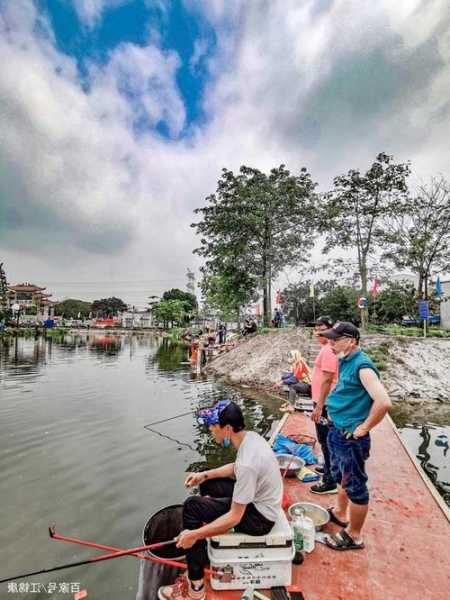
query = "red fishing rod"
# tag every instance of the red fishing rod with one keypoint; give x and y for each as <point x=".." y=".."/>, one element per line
<point x="165" y="561"/>
<point x="116" y="553"/>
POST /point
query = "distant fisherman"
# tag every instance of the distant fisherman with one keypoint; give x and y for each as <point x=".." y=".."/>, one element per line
<point x="250" y="503"/>
<point x="355" y="406"/>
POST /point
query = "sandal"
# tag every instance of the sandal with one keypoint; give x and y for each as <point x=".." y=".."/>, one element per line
<point x="342" y="541"/>
<point x="334" y="518"/>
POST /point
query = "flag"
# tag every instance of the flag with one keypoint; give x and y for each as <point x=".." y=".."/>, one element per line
<point x="438" y="287"/>
<point x="258" y="311"/>
<point x="375" y="288"/>
<point x="278" y="298"/>
<point x="311" y="291"/>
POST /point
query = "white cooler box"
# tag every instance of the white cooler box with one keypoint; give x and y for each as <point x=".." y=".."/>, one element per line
<point x="261" y="561"/>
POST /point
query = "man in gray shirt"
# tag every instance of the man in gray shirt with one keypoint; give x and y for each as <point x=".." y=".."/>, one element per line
<point x="250" y="503"/>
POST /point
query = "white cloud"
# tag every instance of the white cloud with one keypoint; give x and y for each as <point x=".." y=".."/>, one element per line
<point x="325" y="84"/>
<point x="90" y="11"/>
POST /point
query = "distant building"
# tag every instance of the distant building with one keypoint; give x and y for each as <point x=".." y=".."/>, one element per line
<point x="445" y="304"/>
<point x="34" y="303"/>
<point x="139" y="319"/>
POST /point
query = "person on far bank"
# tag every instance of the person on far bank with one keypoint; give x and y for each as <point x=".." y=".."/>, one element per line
<point x="355" y="406"/>
<point x="245" y="495"/>
<point x="323" y="380"/>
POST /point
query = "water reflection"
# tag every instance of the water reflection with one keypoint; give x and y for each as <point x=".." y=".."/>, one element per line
<point x="430" y="443"/>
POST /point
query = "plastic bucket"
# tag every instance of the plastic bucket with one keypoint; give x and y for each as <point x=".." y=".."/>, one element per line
<point x="165" y="525"/>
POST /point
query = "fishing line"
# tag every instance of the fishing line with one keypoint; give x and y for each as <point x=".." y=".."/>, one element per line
<point x="168" y="437"/>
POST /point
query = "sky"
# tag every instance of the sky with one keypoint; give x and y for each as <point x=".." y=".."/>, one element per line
<point x="117" y="116"/>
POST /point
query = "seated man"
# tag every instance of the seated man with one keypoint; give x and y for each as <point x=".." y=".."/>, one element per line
<point x="250" y="503"/>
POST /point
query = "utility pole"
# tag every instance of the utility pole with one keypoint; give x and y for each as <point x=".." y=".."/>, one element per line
<point x="3" y="290"/>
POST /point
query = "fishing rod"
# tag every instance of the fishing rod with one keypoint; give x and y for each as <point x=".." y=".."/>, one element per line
<point x="191" y="412"/>
<point x="164" y="561"/>
<point x="94" y="559"/>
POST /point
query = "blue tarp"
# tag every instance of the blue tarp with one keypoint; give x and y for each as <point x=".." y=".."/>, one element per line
<point x="284" y="445"/>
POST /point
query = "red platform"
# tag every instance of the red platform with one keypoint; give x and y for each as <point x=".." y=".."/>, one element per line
<point x="407" y="533"/>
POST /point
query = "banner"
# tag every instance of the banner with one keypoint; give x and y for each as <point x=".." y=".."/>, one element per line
<point x="312" y="291"/>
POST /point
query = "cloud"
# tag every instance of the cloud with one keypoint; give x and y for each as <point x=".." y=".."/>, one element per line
<point x="91" y="11"/>
<point x="87" y="178"/>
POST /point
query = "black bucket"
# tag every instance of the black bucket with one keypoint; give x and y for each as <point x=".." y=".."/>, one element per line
<point x="164" y="525"/>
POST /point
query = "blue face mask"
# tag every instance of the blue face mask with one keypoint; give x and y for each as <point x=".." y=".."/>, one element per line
<point x="226" y="442"/>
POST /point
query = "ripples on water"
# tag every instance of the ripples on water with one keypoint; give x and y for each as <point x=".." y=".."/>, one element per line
<point x="74" y="450"/>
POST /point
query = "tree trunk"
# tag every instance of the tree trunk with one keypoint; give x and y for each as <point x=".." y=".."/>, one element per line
<point x="364" y="311"/>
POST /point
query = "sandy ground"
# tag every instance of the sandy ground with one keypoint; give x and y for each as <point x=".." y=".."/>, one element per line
<point x="416" y="371"/>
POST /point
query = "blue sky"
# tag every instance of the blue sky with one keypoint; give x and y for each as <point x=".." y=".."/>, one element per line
<point x="118" y="116"/>
<point x="176" y="29"/>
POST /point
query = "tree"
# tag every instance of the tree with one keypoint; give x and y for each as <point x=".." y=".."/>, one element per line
<point x="297" y="304"/>
<point x="188" y="300"/>
<point x="73" y="309"/>
<point x="259" y="224"/>
<point x="420" y="240"/>
<point x="355" y="210"/>
<point x="169" y="311"/>
<point x="108" y="307"/>
<point x="226" y="293"/>
<point x="393" y="303"/>
<point x="341" y="304"/>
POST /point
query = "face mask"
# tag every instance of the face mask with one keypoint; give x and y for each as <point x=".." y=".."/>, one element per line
<point x="341" y="355"/>
<point x="226" y="442"/>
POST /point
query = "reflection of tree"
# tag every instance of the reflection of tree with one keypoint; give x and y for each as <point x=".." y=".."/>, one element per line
<point x="431" y="470"/>
<point x="169" y="356"/>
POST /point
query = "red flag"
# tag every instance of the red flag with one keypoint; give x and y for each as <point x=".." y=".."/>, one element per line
<point x="278" y="298"/>
<point x="375" y="288"/>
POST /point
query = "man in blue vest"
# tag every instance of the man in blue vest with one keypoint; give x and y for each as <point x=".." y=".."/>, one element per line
<point x="355" y="406"/>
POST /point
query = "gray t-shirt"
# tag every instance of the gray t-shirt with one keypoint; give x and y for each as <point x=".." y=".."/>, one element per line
<point x="258" y="478"/>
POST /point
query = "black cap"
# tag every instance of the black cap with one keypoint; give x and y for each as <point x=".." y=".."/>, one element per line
<point x="342" y="329"/>
<point x="325" y="320"/>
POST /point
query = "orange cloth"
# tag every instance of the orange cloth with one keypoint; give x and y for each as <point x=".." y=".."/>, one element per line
<point x="300" y="371"/>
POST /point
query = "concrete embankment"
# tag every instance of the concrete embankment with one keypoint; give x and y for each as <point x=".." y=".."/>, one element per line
<point x="416" y="371"/>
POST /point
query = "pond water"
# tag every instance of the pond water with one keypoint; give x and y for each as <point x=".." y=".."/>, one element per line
<point x="74" y="451"/>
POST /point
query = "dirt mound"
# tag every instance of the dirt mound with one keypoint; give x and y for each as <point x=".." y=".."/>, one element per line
<point x="415" y="370"/>
<point x="258" y="361"/>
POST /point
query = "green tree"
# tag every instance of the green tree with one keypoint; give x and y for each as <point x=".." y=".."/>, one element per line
<point x="188" y="299"/>
<point x="341" y="304"/>
<point x="354" y="212"/>
<point x="227" y="292"/>
<point x="420" y="240"/>
<point x="71" y="308"/>
<point x="108" y="307"/>
<point x="259" y="224"/>
<point x="393" y="303"/>
<point x="297" y="304"/>
<point x="169" y="311"/>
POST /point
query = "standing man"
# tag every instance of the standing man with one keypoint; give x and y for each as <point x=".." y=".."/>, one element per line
<point x="324" y="378"/>
<point x="251" y="503"/>
<point x="355" y="406"/>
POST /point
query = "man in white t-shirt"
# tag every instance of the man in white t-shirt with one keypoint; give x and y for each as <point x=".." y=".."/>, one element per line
<point x="250" y="503"/>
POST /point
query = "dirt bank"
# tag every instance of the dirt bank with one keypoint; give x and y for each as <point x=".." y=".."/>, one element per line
<point x="415" y="371"/>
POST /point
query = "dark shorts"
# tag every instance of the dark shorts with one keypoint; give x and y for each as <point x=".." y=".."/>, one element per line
<point x="348" y="464"/>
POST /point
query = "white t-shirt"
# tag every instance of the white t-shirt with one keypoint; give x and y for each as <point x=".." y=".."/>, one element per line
<point x="258" y="477"/>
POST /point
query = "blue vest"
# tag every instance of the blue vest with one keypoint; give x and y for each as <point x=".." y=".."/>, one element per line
<point x="349" y="403"/>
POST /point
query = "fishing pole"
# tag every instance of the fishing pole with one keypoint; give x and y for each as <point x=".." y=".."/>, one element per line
<point x="191" y="412"/>
<point x="94" y="559"/>
<point x="164" y="561"/>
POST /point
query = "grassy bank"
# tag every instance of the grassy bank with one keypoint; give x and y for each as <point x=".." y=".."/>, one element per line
<point x="409" y="331"/>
